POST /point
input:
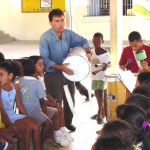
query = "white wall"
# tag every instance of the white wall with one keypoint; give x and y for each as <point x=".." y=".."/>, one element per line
<point x="30" y="26"/>
<point x="87" y="26"/>
<point x="23" y="26"/>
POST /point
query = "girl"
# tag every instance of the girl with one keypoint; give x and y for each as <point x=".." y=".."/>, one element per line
<point x="33" y="100"/>
<point x="100" y="62"/>
<point x="119" y="128"/>
<point x="141" y="101"/>
<point x="10" y="94"/>
<point x="111" y="143"/>
<point x="136" y="117"/>
<point x="39" y="69"/>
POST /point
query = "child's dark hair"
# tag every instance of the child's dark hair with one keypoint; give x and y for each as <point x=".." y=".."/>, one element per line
<point x="134" y="36"/>
<point x="141" y="101"/>
<point x="13" y="67"/>
<point x="35" y="58"/>
<point x="111" y="143"/>
<point x="28" y="67"/>
<point x="135" y="116"/>
<point x="146" y="139"/>
<point x="144" y="78"/>
<point x="2" y="57"/>
<point x="55" y="12"/>
<point x="98" y="34"/>
<point x="141" y="89"/>
<point x="119" y="128"/>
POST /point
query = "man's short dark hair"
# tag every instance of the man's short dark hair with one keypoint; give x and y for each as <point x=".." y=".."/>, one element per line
<point x="55" y="12"/>
<point x="134" y="36"/>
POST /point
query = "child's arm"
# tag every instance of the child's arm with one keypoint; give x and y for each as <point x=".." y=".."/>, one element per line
<point x="50" y="99"/>
<point x="43" y="105"/>
<point x="18" y="99"/>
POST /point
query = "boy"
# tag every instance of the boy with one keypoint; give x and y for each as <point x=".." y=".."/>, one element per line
<point x="136" y="45"/>
<point x="100" y="62"/>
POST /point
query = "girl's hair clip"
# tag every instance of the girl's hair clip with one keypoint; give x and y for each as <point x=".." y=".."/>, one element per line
<point x="145" y="125"/>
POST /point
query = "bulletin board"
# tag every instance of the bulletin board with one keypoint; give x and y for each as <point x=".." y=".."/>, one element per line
<point x="32" y="6"/>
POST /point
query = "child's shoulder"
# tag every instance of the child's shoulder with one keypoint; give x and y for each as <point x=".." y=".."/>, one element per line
<point x="16" y="85"/>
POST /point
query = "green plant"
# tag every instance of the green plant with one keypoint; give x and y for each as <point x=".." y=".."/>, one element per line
<point x="141" y="10"/>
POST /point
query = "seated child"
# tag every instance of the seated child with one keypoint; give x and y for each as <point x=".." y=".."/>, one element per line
<point x="119" y="128"/>
<point x="136" y="117"/>
<point x="2" y="57"/>
<point x="111" y="143"/>
<point x="10" y="135"/>
<point x="141" y="101"/>
<point x="10" y="94"/>
<point x="4" y="145"/>
<point x="33" y="94"/>
<point x="143" y="78"/>
<point x="39" y="69"/>
<point x="141" y="89"/>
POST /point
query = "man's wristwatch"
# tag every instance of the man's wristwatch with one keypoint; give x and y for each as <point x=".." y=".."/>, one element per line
<point x="88" y="50"/>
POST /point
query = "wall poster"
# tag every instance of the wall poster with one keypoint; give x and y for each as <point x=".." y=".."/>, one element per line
<point x="42" y="5"/>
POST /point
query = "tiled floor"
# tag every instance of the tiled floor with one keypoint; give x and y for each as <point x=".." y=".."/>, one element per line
<point x="85" y="134"/>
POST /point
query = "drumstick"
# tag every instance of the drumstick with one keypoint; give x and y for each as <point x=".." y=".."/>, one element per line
<point x="128" y="62"/>
<point x="97" y="71"/>
<point x="98" y="65"/>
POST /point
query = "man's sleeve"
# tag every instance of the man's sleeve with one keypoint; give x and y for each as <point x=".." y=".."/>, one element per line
<point x="78" y="40"/>
<point x="45" y="53"/>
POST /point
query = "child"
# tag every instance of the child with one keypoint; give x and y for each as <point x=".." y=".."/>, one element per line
<point x="141" y="89"/>
<point x="143" y="78"/>
<point x="10" y="94"/>
<point x="4" y="145"/>
<point x="39" y="69"/>
<point x="111" y="143"/>
<point x="100" y="63"/>
<point x="119" y="128"/>
<point x="33" y="94"/>
<point x="128" y="53"/>
<point x="141" y="101"/>
<point x="2" y="57"/>
<point x="136" y="117"/>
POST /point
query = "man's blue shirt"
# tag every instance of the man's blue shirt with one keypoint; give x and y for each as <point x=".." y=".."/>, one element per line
<point x="54" y="51"/>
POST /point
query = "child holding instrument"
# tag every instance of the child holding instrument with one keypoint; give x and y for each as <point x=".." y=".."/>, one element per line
<point x="100" y="62"/>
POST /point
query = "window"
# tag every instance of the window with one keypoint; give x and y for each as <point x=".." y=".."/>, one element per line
<point x="102" y="7"/>
<point x="127" y="6"/>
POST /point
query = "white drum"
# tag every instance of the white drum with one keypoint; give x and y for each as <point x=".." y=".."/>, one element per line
<point x="78" y="63"/>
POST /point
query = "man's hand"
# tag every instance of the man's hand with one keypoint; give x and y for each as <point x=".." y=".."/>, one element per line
<point x="67" y="70"/>
<point x="89" y="56"/>
<point x="64" y="68"/>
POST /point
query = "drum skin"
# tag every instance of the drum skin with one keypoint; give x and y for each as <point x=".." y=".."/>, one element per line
<point x="80" y="67"/>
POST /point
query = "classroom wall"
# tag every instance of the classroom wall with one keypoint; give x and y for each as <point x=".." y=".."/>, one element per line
<point x="30" y="26"/>
<point x="23" y="26"/>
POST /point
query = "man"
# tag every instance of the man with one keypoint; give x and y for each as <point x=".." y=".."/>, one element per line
<point x="83" y="90"/>
<point x="54" y="48"/>
<point x="128" y="61"/>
